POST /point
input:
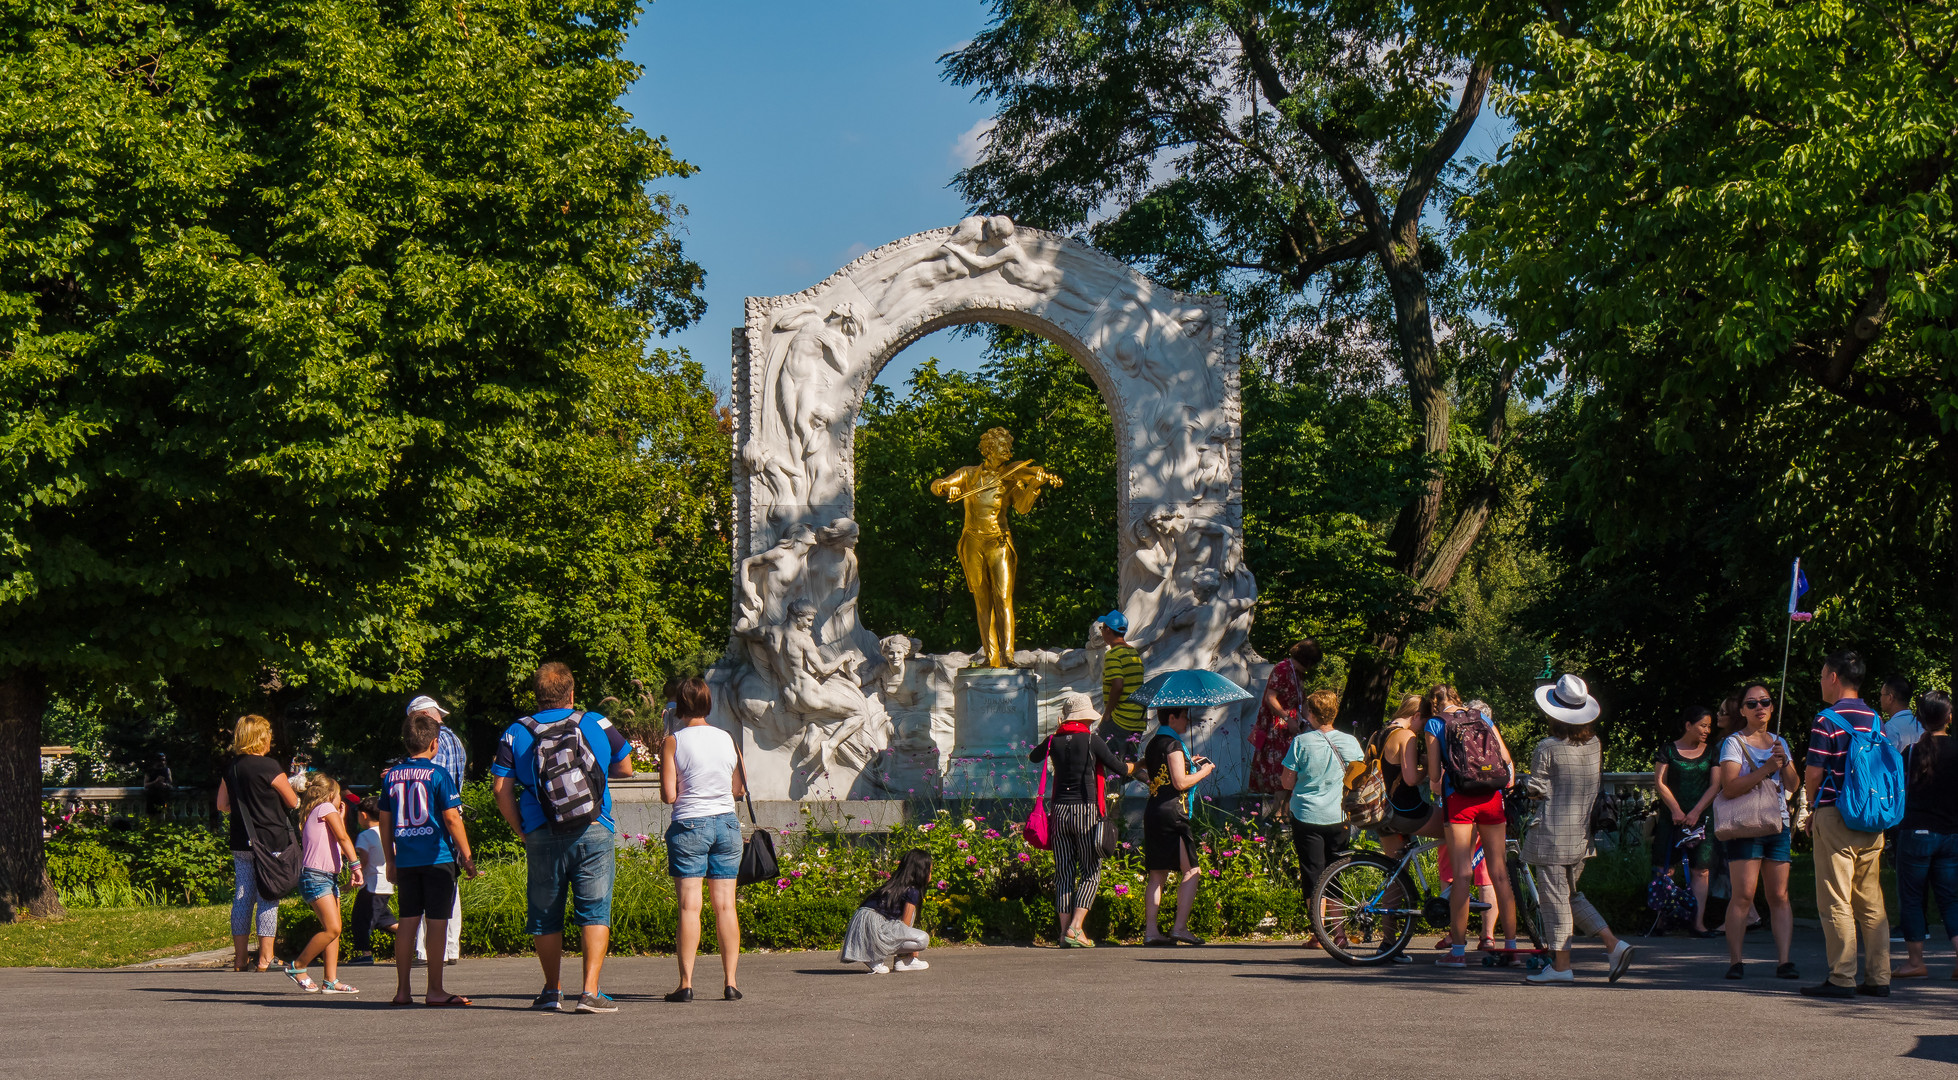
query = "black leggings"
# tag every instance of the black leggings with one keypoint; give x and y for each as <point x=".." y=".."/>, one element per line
<point x="1316" y="845"/>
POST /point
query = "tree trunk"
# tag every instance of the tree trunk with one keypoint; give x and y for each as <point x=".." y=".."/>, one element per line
<point x="24" y="885"/>
<point x="1370" y="675"/>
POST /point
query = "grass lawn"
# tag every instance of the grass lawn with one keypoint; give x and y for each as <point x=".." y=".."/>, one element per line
<point x="112" y="937"/>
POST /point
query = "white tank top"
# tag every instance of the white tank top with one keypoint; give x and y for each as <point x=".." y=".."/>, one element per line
<point x="703" y="757"/>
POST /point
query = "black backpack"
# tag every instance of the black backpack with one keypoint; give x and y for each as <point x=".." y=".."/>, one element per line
<point x="570" y="783"/>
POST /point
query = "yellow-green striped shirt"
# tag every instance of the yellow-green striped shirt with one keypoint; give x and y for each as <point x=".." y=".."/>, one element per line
<point x="1124" y="663"/>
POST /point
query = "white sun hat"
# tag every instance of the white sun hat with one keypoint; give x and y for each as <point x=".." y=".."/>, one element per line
<point x="1076" y="705"/>
<point x="1568" y="700"/>
<point x="426" y="702"/>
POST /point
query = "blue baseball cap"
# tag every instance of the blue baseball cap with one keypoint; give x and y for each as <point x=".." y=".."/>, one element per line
<point x="1115" y="621"/>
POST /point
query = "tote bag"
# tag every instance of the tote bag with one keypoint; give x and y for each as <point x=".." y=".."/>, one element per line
<point x="758" y="852"/>
<point x="275" y="871"/>
<point x="1756" y="813"/>
<point x="1036" y="831"/>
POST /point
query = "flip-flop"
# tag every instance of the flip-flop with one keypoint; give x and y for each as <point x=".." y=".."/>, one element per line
<point x="452" y="999"/>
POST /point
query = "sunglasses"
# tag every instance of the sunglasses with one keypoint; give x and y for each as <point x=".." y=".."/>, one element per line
<point x="1758" y="702"/>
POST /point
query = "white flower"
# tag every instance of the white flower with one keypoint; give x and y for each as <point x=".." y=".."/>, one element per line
<point x="971" y="825"/>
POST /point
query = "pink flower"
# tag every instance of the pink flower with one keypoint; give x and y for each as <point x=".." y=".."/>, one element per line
<point x="976" y="817"/>
<point x="866" y="821"/>
<point x="1216" y="873"/>
<point x="1024" y="857"/>
<point x="972" y="860"/>
<point x="963" y="844"/>
<point x="1121" y="890"/>
<point x="926" y="827"/>
<point x="943" y="885"/>
<point x="992" y="834"/>
<point x="781" y="883"/>
<point x="1259" y="839"/>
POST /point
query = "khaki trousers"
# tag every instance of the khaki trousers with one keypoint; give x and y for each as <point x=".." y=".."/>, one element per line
<point x="1563" y="905"/>
<point x="1849" y="897"/>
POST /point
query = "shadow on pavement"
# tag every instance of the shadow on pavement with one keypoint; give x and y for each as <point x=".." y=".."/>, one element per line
<point x="1943" y="1048"/>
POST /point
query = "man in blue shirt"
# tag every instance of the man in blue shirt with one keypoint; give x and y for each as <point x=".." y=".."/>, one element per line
<point x="579" y="862"/>
<point x="1848" y="892"/>
<point x="422" y="839"/>
<point x="454" y="759"/>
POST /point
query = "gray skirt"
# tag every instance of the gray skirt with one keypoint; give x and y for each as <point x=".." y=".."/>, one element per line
<point x="874" y="937"/>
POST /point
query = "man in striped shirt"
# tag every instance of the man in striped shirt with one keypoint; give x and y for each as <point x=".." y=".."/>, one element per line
<point x="1122" y="720"/>
<point x="1848" y="892"/>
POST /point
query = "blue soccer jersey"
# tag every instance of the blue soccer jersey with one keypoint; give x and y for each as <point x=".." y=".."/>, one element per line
<point x="416" y="792"/>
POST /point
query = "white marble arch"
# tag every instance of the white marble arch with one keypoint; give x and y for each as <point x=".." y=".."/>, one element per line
<point x="1166" y="364"/>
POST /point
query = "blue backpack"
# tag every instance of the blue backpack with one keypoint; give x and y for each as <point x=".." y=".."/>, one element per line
<point x="1872" y="795"/>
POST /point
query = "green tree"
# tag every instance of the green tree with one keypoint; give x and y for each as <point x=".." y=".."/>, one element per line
<point x="1285" y="153"/>
<point x="1735" y="207"/>
<point x="291" y="296"/>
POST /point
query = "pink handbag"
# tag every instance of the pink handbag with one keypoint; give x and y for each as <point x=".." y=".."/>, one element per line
<point x="1035" y="832"/>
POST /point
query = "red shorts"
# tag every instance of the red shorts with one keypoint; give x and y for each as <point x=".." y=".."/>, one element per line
<point x="1483" y="809"/>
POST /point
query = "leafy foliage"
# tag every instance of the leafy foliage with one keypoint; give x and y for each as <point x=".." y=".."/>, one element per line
<point x="300" y="300"/>
<point x="1727" y="229"/>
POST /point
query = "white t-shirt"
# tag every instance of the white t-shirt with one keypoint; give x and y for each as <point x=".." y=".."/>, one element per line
<point x="1903" y="730"/>
<point x="373" y="862"/>
<point x="703" y="755"/>
<point x="1736" y="748"/>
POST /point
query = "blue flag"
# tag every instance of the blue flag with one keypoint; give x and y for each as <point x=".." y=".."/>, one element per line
<point x="1796" y="588"/>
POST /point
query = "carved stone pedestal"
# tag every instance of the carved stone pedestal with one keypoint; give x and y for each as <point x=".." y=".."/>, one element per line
<point x="997" y="721"/>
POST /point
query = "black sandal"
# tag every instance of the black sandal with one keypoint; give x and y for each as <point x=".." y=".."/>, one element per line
<point x="1786" y="971"/>
<point x="729" y="993"/>
<point x="1734" y="970"/>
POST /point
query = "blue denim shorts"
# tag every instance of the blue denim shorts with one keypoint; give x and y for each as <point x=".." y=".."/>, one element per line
<point x="314" y="884"/>
<point x="577" y="864"/>
<point x="1772" y="848"/>
<point x="704" y="847"/>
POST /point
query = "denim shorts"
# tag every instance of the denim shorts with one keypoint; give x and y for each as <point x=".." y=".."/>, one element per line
<point x="577" y="864"/>
<point x="704" y="847"/>
<point x="1772" y="848"/>
<point x="314" y="884"/>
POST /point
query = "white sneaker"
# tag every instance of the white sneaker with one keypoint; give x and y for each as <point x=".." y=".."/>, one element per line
<point x="1551" y="977"/>
<point x="1621" y="958"/>
<point x="879" y="969"/>
<point x="915" y="963"/>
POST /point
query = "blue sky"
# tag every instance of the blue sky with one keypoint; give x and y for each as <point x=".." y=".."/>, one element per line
<point x="821" y="130"/>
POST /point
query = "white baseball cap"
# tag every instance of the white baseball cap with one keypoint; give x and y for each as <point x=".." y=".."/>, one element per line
<point x="426" y="702"/>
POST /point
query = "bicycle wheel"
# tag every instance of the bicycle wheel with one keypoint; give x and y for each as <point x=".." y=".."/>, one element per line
<point x="1529" y="909"/>
<point x="1363" y="909"/>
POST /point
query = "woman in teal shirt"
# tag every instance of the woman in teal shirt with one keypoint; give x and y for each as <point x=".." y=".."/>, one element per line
<point x="1315" y="773"/>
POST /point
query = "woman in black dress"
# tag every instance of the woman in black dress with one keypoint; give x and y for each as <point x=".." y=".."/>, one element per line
<point x="1167" y="843"/>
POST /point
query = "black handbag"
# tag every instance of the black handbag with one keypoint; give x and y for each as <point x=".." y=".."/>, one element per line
<point x="275" y="871"/>
<point x="758" y="852"/>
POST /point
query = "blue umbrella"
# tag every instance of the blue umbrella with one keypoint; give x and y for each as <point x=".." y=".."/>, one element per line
<point x="1189" y="688"/>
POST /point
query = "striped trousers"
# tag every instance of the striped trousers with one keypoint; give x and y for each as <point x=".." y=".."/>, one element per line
<point x="1076" y="833"/>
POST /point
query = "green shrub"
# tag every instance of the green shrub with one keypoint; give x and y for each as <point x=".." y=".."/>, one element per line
<point x="186" y="864"/>
<point x="85" y="864"/>
<point x="490" y="837"/>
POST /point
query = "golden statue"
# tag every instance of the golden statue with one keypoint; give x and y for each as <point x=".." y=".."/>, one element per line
<point x="986" y="545"/>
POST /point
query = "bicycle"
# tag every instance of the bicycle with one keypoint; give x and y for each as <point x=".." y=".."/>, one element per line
<point x="1366" y="897"/>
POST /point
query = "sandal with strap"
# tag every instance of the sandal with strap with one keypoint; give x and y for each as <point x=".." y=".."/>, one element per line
<point x="304" y="981"/>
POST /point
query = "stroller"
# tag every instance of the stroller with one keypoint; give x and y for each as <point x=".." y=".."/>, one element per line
<point x="1672" y="903"/>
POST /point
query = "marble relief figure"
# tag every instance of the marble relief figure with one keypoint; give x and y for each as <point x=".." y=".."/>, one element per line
<point x="830" y="707"/>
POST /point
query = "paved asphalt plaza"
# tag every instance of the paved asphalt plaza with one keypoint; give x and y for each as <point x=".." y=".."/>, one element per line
<point x="1253" y="1010"/>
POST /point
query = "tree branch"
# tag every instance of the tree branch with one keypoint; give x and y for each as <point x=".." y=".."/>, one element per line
<point x="1407" y="211"/>
<point x="1272" y="83"/>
